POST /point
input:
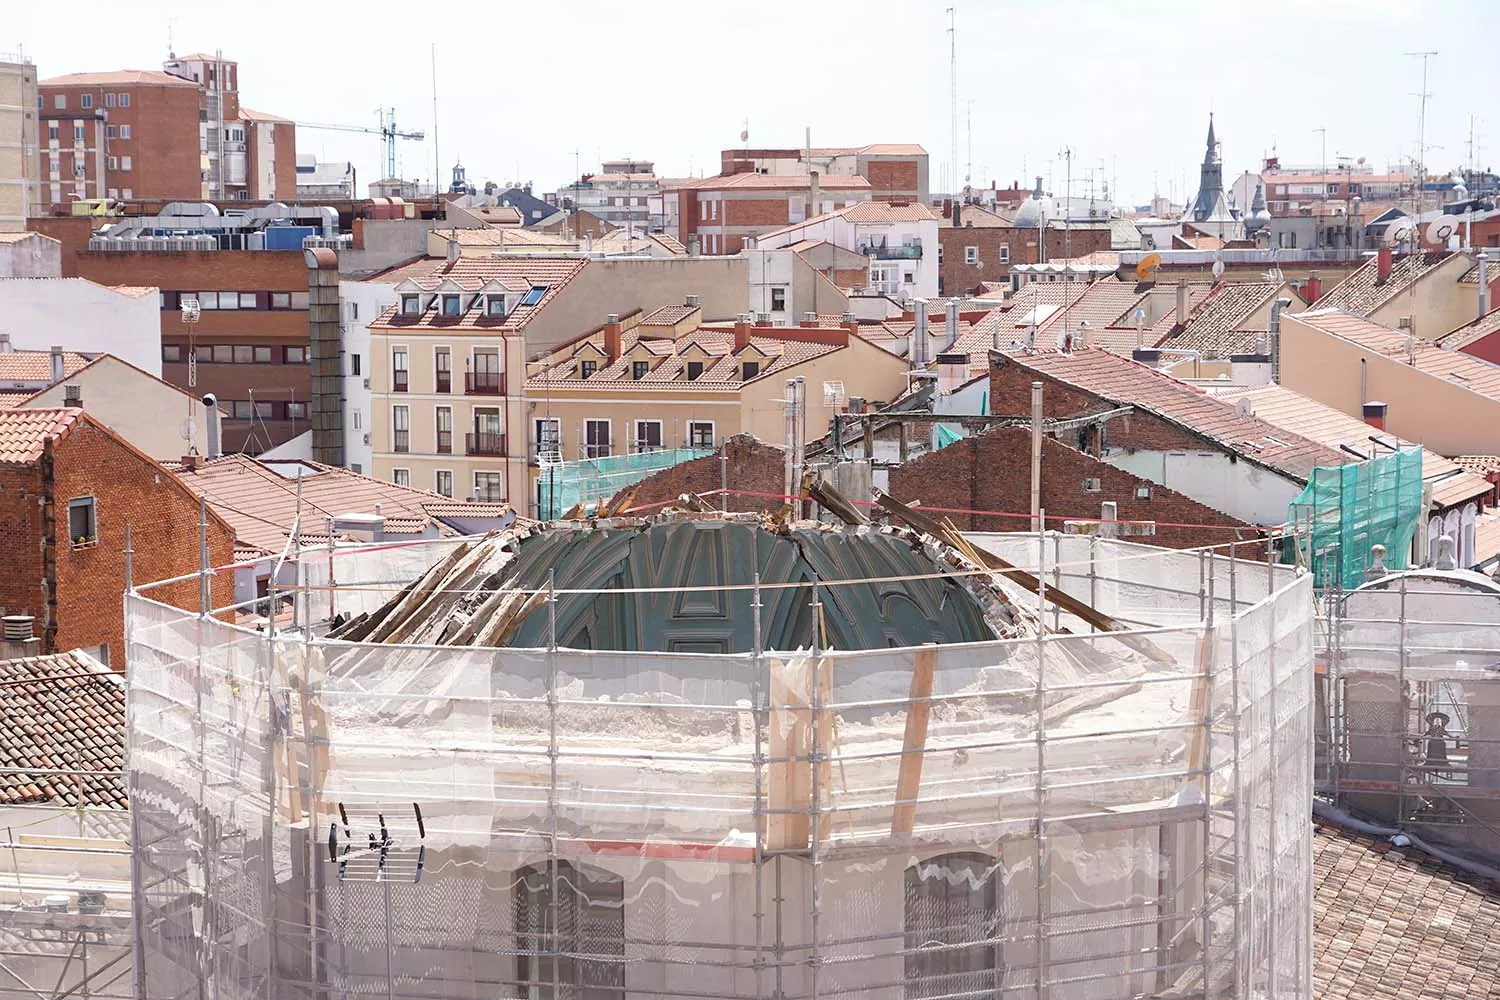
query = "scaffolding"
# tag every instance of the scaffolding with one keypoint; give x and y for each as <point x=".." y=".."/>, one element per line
<point x="315" y="818"/>
<point x="563" y="485"/>
<point x="1346" y="509"/>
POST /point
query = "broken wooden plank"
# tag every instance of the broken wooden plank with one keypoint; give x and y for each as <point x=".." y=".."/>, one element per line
<point x="914" y="743"/>
<point x="416" y="595"/>
<point x="836" y="504"/>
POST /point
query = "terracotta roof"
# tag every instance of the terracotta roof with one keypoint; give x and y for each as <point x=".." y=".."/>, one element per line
<point x="979" y="217"/>
<point x="1455" y="367"/>
<point x="260" y="503"/>
<point x="668" y="315"/>
<point x="1125" y="382"/>
<point x="1198" y="291"/>
<point x="1491" y="273"/>
<point x="1104" y="304"/>
<point x="1229" y="304"/>
<point x="118" y="78"/>
<point x="9" y="399"/>
<point x="23" y="431"/>
<point x="60" y="712"/>
<point x="1362" y="292"/>
<point x="36" y="366"/>
<point x="1480" y="464"/>
<point x="502" y="238"/>
<point x="1294" y="412"/>
<point x="260" y="116"/>
<point x="471" y="273"/>
<point x="1394" y="924"/>
<point x="884" y="211"/>
<point x="1472" y="332"/>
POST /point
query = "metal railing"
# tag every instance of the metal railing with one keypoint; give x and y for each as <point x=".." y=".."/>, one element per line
<point x="444" y="381"/>
<point x="484" y="383"/>
<point x="445" y="442"/>
<point x="910" y="251"/>
<point x="484" y="443"/>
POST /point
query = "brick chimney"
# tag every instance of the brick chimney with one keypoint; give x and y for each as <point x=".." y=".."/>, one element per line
<point x="1313" y="288"/>
<point x="1385" y="259"/>
<point x="849" y="322"/>
<point x="1374" y="413"/>
<point x="611" y="338"/>
<point x="809" y="319"/>
<point x="741" y="332"/>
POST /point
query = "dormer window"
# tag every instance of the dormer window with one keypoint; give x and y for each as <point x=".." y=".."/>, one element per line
<point x="535" y="295"/>
<point x="694" y="370"/>
<point x="587" y="368"/>
<point x="638" y="369"/>
<point x="411" y="305"/>
<point x="751" y="369"/>
<point x="450" y="305"/>
<point x="495" y="305"/>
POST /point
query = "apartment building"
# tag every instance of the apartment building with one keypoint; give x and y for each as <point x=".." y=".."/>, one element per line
<point x="180" y="134"/>
<point x="20" y="190"/>
<point x="624" y="193"/>
<point x="717" y="214"/>
<point x="893" y="170"/>
<point x="898" y="238"/>
<point x="447" y="362"/>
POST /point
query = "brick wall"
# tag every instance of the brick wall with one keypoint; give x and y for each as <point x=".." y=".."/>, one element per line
<point x="163" y="143"/>
<point x="21" y="590"/>
<point x="768" y="212"/>
<point x="992" y="472"/>
<point x="129" y="489"/>
<point x="892" y="175"/>
<point x="754" y="467"/>
<point x="957" y="276"/>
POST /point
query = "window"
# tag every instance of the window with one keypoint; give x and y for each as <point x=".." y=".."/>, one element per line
<point x="587" y="368"/>
<point x="223" y="354"/>
<point x="1004" y="254"/>
<point x="358" y="420"/>
<point x="450" y="305"/>
<point x="109" y="100"/>
<point x="950" y="902"/>
<point x="109" y="131"/>
<point x="243" y="354"/>
<point x="77" y="133"/>
<point x="354" y="364"/>
<point x="700" y="433"/>
<point x="410" y="305"/>
<point x="113" y="162"/>
<point x="296" y="411"/>
<point x="1092" y="485"/>
<point x="247" y="300"/>
<point x="261" y="355"/>
<point x="1143" y="493"/>
<point x="203" y="353"/>
<point x="124" y="163"/>
<point x="750" y="370"/>
<point x="494" y="305"/>
<point x="240" y="409"/>
<point x="401" y="477"/>
<point x="281" y="300"/>
<point x="596" y="442"/>
<point x="535" y="295"/>
<point x="171" y="352"/>
<point x="444" y="483"/>
<point x="127" y="193"/>
<point x="400" y="374"/>
<point x="52" y="132"/>
<point x="86" y="100"/>
<point x="82" y="528"/>
<point x="908" y="278"/>
<point x="354" y="311"/>
<point x="971" y="255"/>
<point x="444" y="422"/>
<point x="647" y="435"/>
<point x="124" y="100"/>
<point x="778" y="300"/>
<point x="548" y="434"/>
<point x="294" y="355"/>
<point x="355" y="468"/>
<point x="940" y="253"/>
<point x="401" y="428"/>
<point x="694" y="370"/>
<point x="78" y="168"/>
<point x="639" y="369"/>
<point x="265" y="411"/>
<point x="489" y="487"/>
<point x="588" y="905"/>
<point x="60" y="101"/>
<point x="442" y="368"/>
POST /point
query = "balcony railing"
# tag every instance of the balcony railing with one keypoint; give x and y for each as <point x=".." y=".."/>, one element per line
<point x="400" y="379"/>
<point x="445" y="381"/>
<point x="879" y="251"/>
<point x="484" y="383"/>
<point x="445" y="442"/>
<point x="597" y="450"/>
<point x="484" y="443"/>
<point x="401" y="441"/>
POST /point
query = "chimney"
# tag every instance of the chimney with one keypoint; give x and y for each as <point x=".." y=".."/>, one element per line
<point x="691" y="301"/>
<point x="211" y="425"/>
<point x="693" y="244"/>
<point x="947" y="208"/>
<point x="952" y="372"/>
<point x="814" y="194"/>
<point x="611" y="338"/>
<point x="17" y="639"/>
<point x="763" y="319"/>
<point x="453" y="246"/>
<point x="57" y="364"/>
<point x="1484" y="287"/>
<point x="1313" y="289"/>
<point x="191" y="462"/>
<point x="1182" y="301"/>
<point x="950" y="324"/>
<point x="849" y="322"/>
<point x="588" y="242"/>
<point x="957" y="211"/>
<point x="809" y="319"/>
<point x="917" y="355"/>
<point x="1374" y="414"/>
<point x="73" y="395"/>
<point x="741" y="332"/>
<point x="5" y="347"/>
<point x="1384" y="261"/>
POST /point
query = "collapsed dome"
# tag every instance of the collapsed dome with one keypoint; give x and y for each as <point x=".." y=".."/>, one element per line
<point x="686" y="585"/>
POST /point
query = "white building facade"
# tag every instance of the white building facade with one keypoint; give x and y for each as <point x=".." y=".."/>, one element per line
<point x="899" y="240"/>
<point x="79" y="315"/>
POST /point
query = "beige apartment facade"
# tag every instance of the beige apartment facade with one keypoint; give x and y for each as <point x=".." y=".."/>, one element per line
<point x="20" y="161"/>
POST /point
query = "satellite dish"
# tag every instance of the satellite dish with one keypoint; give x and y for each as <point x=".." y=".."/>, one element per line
<point x="1146" y="269"/>
<point x="1439" y="230"/>
<point x="1399" y="232"/>
<point x="1218" y="269"/>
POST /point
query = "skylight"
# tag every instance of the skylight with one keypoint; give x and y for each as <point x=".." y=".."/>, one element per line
<point x="535" y="295"/>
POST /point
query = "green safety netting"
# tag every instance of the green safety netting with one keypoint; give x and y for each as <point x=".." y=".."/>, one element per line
<point x="947" y="435"/>
<point x="1346" y="509"/>
<point x="561" y="486"/>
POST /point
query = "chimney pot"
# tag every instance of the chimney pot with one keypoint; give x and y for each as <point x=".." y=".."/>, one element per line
<point x="917" y="355"/>
<point x="72" y="395"/>
<point x="1385" y="260"/>
<point x="17" y="627"/>
<point x="741" y="332"/>
<point x="1374" y="414"/>
<point x="691" y="301"/>
<point x="612" y="337"/>
<point x="1182" y="301"/>
<point x="1313" y="288"/>
<point x="57" y="364"/>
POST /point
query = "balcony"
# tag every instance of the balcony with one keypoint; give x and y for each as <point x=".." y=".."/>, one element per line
<point x="444" y="381"/>
<point x="445" y="442"/>
<point x="484" y="443"/>
<point x="400" y="379"/>
<point x="882" y="252"/>
<point x="484" y="383"/>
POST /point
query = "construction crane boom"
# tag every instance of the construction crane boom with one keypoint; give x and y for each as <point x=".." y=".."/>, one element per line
<point x="387" y="131"/>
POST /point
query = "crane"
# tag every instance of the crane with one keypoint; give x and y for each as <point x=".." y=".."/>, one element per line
<point x="387" y="131"/>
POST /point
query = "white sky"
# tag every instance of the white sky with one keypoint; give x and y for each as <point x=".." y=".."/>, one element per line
<point x="1126" y="83"/>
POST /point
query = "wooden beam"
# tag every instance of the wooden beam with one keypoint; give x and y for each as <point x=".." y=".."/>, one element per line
<point x="787" y="794"/>
<point x="914" y="744"/>
<point x="834" y="502"/>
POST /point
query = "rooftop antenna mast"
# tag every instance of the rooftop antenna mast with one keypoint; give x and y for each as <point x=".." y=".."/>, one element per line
<point x="437" y="165"/>
<point x="953" y="95"/>
<point x="1421" y="165"/>
<point x="969" y="158"/>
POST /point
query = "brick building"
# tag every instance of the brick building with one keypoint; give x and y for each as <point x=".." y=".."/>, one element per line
<point x="753" y="467"/>
<point x="174" y="135"/>
<point x="251" y="339"/>
<point x="717" y="213"/>
<point x="970" y="254"/>
<point x="992" y="472"/>
<point x="69" y="487"/>
<point x="895" y="170"/>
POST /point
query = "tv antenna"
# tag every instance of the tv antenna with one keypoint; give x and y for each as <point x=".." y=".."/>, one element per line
<point x="953" y="94"/>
